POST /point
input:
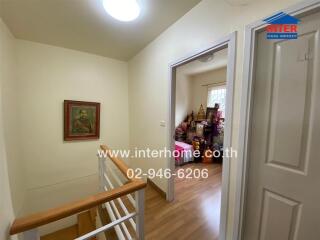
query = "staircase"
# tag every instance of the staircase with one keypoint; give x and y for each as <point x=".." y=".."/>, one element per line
<point x="128" y="229"/>
<point x="120" y="204"/>
<point x="86" y="223"/>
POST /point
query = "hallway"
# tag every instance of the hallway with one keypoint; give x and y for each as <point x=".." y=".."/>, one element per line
<point x="195" y="212"/>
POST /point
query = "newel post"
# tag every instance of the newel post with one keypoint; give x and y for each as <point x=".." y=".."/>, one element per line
<point x="140" y="210"/>
<point x="101" y="164"/>
<point x="32" y="234"/>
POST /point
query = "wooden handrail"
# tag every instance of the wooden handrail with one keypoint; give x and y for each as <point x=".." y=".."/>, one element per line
<point x="119" y="163"/>
<point x="39" y="219"/>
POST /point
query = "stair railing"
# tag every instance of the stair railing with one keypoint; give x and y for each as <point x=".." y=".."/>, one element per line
<point x="113" y="174"/>
<point x="114" y="186"/>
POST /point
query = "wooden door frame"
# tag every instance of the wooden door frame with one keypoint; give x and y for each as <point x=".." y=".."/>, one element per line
<point x="299" y="10"/>
<point x="228" y="42"/>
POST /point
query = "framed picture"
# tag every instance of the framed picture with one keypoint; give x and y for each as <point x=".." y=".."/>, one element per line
<point x="199" y="129"/>
<point x="81" y="120"/>
<point x="210" y="114"/>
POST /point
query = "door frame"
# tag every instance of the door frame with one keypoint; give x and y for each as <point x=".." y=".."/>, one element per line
<point x="228" y="42"/>
<point x="251" y="30"/>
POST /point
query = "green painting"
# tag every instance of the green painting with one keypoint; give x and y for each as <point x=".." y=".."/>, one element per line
<point x="81" y="120"/>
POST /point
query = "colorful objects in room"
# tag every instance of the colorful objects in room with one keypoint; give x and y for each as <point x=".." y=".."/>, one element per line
<point x="207" y="156"/>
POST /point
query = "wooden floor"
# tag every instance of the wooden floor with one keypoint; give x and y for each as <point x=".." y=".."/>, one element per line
<point x="85" y="224"/>
<point x="195" y="212"/>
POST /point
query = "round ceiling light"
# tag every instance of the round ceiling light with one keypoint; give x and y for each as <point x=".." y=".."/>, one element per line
<point x="206" y="58"/>
<point x="122" y="10"/>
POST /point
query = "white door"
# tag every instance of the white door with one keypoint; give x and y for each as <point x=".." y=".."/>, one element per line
<point x="283" y="197"/>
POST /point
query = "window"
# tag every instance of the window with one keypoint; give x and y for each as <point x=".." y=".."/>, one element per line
<point x="217" y="94"/>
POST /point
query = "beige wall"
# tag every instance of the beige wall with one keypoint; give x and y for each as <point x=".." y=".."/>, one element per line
<point x="58" y="171"/>
<point x="10" y="121"/>
<point x="44" y="170"/>
<point x="149" y="74"/>
<point x="199" y="86"/>
<point x="8" y="161"/>
<point x="191" y="92"/>
<point x="44" y="164"/>
<point x="183" y="97"/>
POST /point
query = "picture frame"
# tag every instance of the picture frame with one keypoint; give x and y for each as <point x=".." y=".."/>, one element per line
<point x="81" y="120"/>
<point x="199" y="130"/>
<point x="210" y="114"/>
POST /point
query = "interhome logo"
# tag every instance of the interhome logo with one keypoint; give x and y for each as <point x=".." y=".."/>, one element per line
<point x="282" y="26"/>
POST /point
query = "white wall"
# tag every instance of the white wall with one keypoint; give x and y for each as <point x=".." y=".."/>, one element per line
<point x="199" y="92"/>
<point x="183" y="97"/>
<point x="58" y="171"/>
<point x="7" y="77"/>
<point x="149" y="74"/>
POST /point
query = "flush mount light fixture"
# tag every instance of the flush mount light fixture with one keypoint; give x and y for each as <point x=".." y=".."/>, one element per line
<point x="206" y="58"/>
<point x="238" y="2"/>
<point x="122" y="10"/>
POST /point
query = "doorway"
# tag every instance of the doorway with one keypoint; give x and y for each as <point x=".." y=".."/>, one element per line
<point x="277" y="197"/>
<point x="226" y="44"/>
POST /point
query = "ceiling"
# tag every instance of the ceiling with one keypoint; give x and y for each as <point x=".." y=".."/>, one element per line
<point x="84" y="25"/>
<point x="220" y="60"/>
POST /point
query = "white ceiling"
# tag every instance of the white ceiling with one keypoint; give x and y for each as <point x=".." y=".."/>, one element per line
<point x="196" y="67"/>
<point x="84" y="25"/>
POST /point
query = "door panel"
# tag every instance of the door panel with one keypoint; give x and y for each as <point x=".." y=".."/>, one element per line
<point x="283" y="197"/>
<point x="289" y="87"/>
<point x="278" y="209"/>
